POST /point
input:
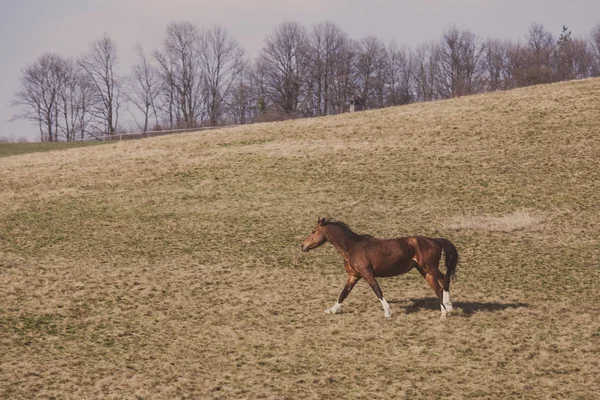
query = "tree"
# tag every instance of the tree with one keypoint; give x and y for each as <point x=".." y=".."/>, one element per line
<point x="572" y="58"/>
<point x="168" y="104"/>
<point x="100" y="65"/>
<point x="344" y="75"/>
<point x="494" y="64"/>
<point x="326" y="45"/>
<point x="143" y="85"/>
<point x="242" y="99"/>
<point x="540" y="47"/>
<point x="76" y="99"/>
<point x="41" y="84"/>
<point x="461" y="63"/>
<point x="283" y="61"/>
<point x="182" y="88"/>
<point x="221" y="61"/>
<point x="564" y="56"/>
<point x="370" y="70"/>
<point x="400" y="75"/>
<point x="514" y="73"/>
<point x="426" y="71"/>
<point x="565" y="36"/>
<point x="594" y="44"/>
<point x="258" y="77"/>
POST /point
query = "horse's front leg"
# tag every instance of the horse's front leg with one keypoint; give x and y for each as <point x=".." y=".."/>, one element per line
<point x="349" y="285"/>
<point x="370" y="278"/>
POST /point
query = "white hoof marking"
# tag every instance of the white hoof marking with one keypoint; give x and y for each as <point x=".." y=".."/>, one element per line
<point x="387" y="311"/>
<point x="335" y="309"/>
<point x="447" y="302"/>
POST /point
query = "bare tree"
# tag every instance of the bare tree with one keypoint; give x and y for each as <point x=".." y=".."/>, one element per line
<point x="317" y="71"/>
<point x="572" y="59"/>
<point x="181" y="75"/>
<point x="39" y="94"/>
<point x="258" y="76"/>
<point x="426" y="71"/>
<point x="143" y="85"/>
<point x="222" y="61"/>
<point x="344" y="75"/>
<point x="76" y="99"/>
<point x="284" y="62"/>
<point x="514" y="73"/>
<point x="594" y="44"/>
<point x="461" y="63"/>
<point x="242" y="100"/>
<point x="168" y="104"/>
<point x="370" y="70"/>
<point x="100" y="65"/>
<point x="400" y="75"/>
<point x="540" y="47"/>
<point x="583" y="59"/>
<point x="326" y="47"/>
<point x="504" y="64"/>
<point x="495" y="62"/>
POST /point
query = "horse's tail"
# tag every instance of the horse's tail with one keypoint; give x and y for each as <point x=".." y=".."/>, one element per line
<point x="451" y="260"/>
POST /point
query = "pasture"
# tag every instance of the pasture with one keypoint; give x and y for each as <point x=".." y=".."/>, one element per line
<point x="11" y="149"/>
<point x="171" y="268"/>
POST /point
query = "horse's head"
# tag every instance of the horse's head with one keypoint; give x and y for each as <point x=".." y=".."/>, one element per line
<point x="316" y="238"/>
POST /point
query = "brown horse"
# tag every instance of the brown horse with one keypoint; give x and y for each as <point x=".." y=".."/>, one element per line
<point x="368" y="257"/>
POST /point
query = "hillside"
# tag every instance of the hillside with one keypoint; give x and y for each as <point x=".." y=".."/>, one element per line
<point x="170" y="267"/>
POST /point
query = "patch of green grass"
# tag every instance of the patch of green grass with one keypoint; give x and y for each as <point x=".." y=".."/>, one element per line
<point x="27" y="329"/>
<point x="245" y="142"/>
<point x="12" y="149"/>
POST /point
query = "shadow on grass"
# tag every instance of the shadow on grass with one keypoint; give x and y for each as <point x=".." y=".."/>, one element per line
<point x="467" y="307"/>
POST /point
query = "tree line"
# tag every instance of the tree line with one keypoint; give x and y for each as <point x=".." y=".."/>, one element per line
<point x="203" y="77"/>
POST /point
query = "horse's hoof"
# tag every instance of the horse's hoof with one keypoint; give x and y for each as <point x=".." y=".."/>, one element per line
<point x="387" y="315"/>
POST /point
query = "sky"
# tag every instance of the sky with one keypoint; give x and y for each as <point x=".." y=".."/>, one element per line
<point x="29" y="28"/>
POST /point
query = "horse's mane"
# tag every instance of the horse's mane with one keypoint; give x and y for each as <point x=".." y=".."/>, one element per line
<point x="346" y="229"/>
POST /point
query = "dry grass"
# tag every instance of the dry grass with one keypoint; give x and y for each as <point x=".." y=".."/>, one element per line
<point x="170" y="267"/>
<point x="514" y="221"/>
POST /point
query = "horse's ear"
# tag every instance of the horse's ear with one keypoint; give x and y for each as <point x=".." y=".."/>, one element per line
<point x="322" y="221"/>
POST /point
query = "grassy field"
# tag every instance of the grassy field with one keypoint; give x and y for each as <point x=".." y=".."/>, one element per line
<point x="170" y="267"/>
<point x="11" y="149"/>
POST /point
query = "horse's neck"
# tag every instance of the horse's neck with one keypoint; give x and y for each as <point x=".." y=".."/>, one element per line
<point x="339" y="240"/>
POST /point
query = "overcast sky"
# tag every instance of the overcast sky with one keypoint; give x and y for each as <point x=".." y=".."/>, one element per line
<point x="29" y="28"/>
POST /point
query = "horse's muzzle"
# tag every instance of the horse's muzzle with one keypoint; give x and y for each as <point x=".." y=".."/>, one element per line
<point x="304" y="249"/>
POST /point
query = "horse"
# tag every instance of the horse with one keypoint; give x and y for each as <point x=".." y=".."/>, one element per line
<point x="368" y="257"/>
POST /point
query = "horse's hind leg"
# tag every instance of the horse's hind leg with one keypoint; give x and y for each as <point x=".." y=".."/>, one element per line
<point x="433" y="278"/>
<point x="446" y="295"/>
<point x="444" y="282"/>
<point x="347" y="288"/>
